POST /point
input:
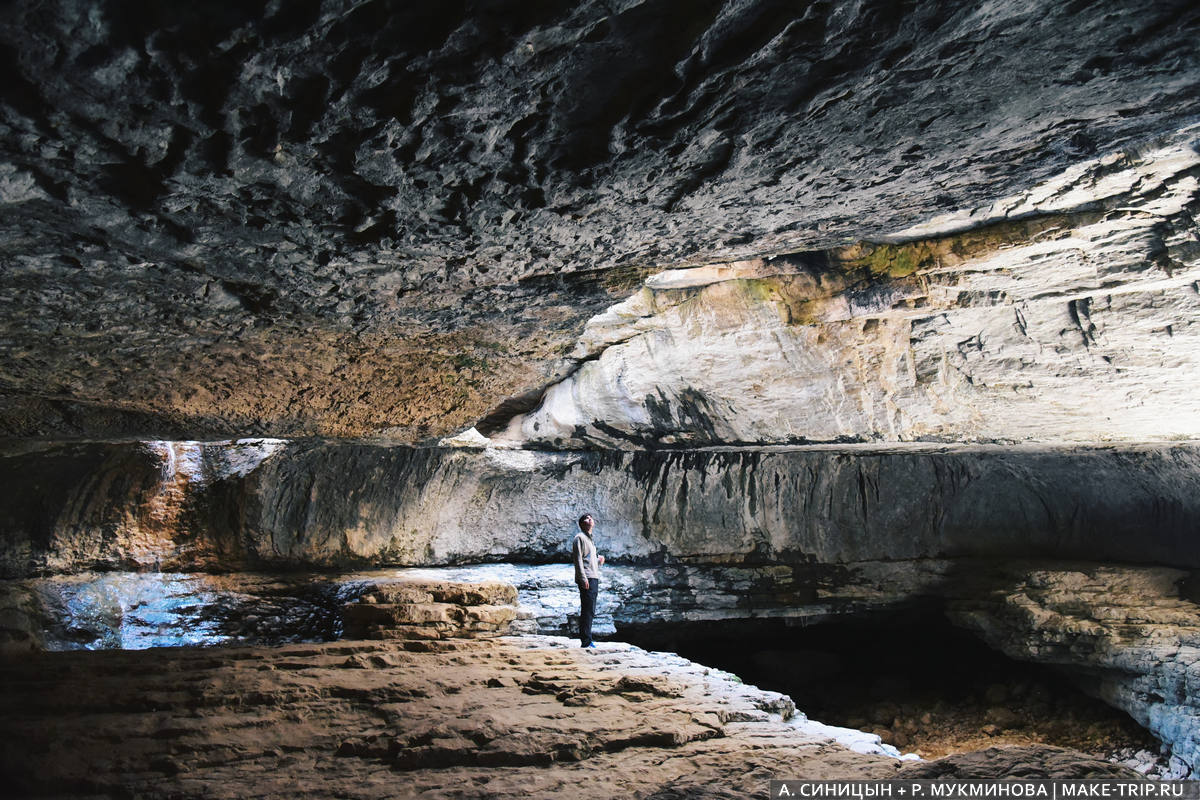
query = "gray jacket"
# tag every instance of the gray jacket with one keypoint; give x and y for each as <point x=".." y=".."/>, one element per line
<point x="583" y="553"/>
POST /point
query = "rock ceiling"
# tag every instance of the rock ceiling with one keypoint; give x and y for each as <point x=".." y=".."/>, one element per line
<point x="394" y="220"/>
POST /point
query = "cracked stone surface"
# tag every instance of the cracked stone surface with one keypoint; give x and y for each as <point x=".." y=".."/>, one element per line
<point x="528" y="717"/>
<point x="1065" y="314"/>
<point x="381" y="220"/>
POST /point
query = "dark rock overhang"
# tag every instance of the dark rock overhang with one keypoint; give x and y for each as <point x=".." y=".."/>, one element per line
<point x="381" y="219"/>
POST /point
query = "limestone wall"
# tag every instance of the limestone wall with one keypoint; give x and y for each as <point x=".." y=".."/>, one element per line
<point x="333" y="505"/>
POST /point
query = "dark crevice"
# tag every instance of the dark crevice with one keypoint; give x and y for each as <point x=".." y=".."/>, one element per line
<point x="907" y="675"/>
<point x="499" y="417"/>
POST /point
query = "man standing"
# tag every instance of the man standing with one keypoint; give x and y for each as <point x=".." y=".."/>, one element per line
<point x="587" y="577"/>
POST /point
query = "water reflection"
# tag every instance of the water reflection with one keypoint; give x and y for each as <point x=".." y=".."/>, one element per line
<point x="135" y="611"/>
<point x="132" y="612"/>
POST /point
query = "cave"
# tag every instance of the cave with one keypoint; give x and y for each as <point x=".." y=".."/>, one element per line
<point x="868" y="332"/>
<point x="912" y="678"/>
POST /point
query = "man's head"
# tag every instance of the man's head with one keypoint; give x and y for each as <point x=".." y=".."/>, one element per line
<point x="585" y="524"/>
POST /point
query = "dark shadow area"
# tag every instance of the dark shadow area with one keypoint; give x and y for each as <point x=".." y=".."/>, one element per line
<point x="921" y="684"/>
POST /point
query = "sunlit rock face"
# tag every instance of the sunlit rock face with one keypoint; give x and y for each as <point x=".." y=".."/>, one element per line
<point x="1065" y="314"/>
<point x="378" y="219"/>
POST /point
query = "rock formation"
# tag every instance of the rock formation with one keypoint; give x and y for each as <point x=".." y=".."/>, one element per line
<point x="431" y="611"/>
<point x="1125" y="634"/>
<point x="821" y="309"/>
<point x="153" y="505"/>
<point x="370" y="219"/>
<point x="802" y="533"/>
<point x="1131" y="635"/>
<point x="1087" y="287"/>
<point x="385" y="719"/>
<point x="341" y="505"/>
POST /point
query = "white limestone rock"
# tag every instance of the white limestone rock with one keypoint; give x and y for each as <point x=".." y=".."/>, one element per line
<point x="1066" y="314"/>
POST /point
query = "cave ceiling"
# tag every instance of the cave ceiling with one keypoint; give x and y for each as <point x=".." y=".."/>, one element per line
<point x="395" y="220"/>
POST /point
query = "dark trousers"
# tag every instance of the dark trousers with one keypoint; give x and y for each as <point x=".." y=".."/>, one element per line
<point x="587" y="610"/>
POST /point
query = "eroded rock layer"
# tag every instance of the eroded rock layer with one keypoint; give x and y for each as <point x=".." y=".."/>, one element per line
<point x="380" y="719"/>
<point x="1063" y="314"/>
<point x="1132" y="637"/>
<point x="428" y="611"/>
<point x="386" y="219"/>
<point x="338" y="505"/>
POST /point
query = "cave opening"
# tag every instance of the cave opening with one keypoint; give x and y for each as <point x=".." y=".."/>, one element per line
<point x="912" y="678"/>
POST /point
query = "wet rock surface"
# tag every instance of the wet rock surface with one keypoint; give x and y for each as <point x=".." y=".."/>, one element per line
<point x="376" y="219"/>
<point x="527" y="716"/>
<point x="120" y="610"/>
<point x="135" y="611"/>
<point x="640" y="225"/>
<point x="155" y="505"/>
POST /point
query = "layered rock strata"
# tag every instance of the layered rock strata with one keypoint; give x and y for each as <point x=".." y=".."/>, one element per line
<point x="1063" y="314"/>
<point x="369" y="219"/>
<point x="422" y="610"/>
<point x="527" y="717"/>
<point x="1130" y="636"/>
<point x="801" y="533"/>
<point x="132" y="611"/>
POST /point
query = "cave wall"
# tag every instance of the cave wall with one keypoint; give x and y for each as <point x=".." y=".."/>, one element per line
<point x="330" y="502"/>
<point x="1127" y="635"/>
<point x="151" y="505"/>
<point x="73" y="506"/>
<point x="1065" y="314"/>
<point x="337" y="505"/>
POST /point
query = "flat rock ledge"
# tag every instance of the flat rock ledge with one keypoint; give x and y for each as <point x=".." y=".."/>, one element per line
<point x="522" y="717"/>
<point x="423" y="610"/>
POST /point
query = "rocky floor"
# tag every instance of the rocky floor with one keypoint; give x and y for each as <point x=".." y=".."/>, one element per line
<point x="1032" y="714"/>
<point x="919" y="684"/>
<point x="509" y="717"/>
<point x="1134" y="631"/>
